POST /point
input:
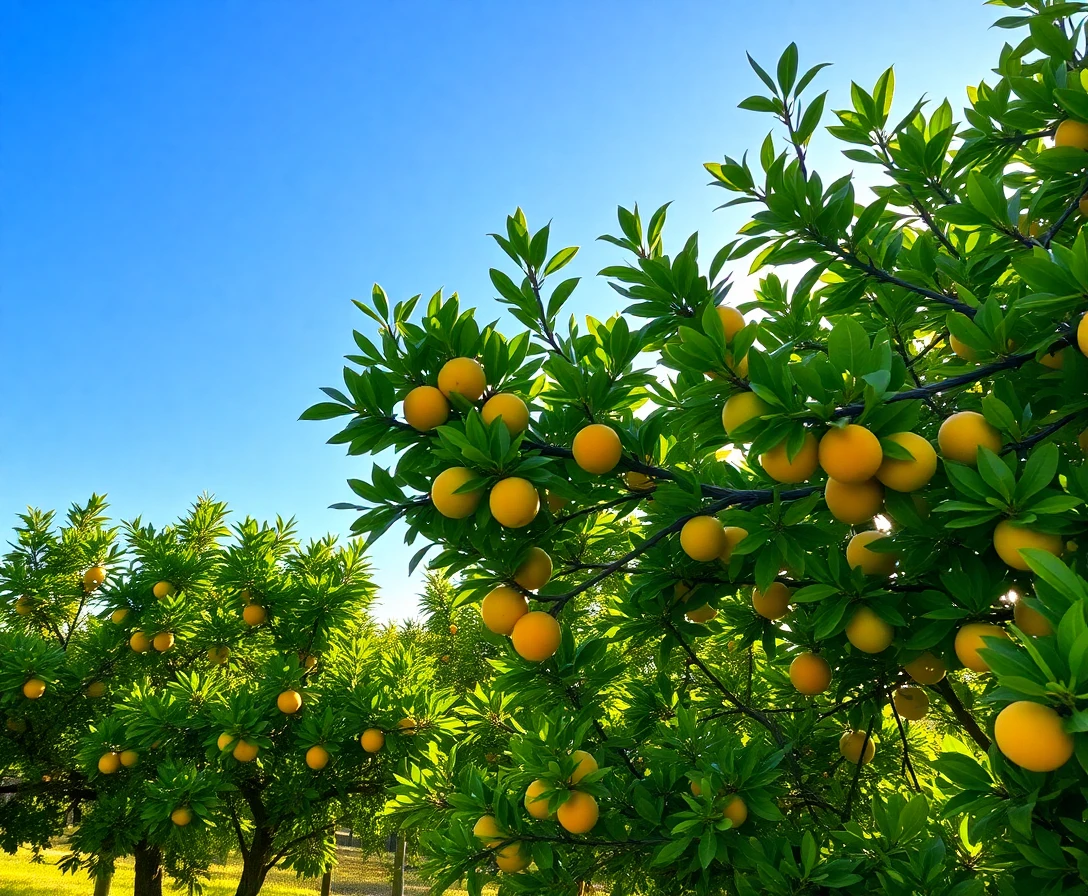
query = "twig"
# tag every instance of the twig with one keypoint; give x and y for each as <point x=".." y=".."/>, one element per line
<point x="857" y="770"/>
<point x="964" y="717"/>
<point x="1035" y="438"/>
<point x="907" y="764"/>
<point x="1069" y="209"/>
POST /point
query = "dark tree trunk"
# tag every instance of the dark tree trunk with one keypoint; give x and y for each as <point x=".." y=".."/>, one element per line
<point x="326" y="883"/>
<point x="102" y="883"/>
<point x="148" y="870"/>
<point x="398" y="867"/>
<point x="255" y="862"/>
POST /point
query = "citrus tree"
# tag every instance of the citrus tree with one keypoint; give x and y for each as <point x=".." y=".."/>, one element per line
<point x="785" y="586"/>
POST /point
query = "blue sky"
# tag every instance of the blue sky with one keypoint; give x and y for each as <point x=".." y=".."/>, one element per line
<point x="192" y="193"/>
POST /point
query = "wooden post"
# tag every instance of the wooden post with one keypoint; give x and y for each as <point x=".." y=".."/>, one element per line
<point x="398" y="867"/>
<point x="102" y="884"/>
<point x="326" y="883"/>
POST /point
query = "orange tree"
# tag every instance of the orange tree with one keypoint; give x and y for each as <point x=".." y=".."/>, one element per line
<point x="226" y="690"/>
<point x="786" y="585"/>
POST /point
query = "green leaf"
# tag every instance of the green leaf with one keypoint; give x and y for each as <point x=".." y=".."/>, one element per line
<point x="848" y="347"/>
<point x="787" y="69"/>
<point x="1038" y="472"/>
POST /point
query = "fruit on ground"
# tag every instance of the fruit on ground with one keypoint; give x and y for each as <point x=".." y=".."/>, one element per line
<point x="425" y="407"/>
<point x="289" y="702"/>
<point x="94" y="577"/>
<point x="1030" y="621"/>
<point x="254" y="614"/>
<point x="854" y="502"/>
<point x="163" y="641"/>
<point x="774" y="603"/>
<point x="1010" y="539"/>
<point x="969" y="639"/>
<point x="163" y="590"/>
<point x="317" y="757"/>
<point x="513" y="858"/>
<point x="736" y="810"/>
<point x="586" y="765"/>
<point x="961" y="349"/>
<point x="741" y="408"/>
<point x="780" y="468"/>
<point x="372" y="740"/>
<point x="702" y="538"/>
<point x="502" y="608"/>
<point x="597" y="448"/>
<point x="868" y="632"/>
<point x="445" y="499"/>
<point x="962" y="434"/>
<point x="488" y="831"/>
<point x="535" y="571"/>
<point x="33" y="689"/>
<point x="464" y="376"/>
<point x="911" y="703"/>
<point x="850" y="454"/>
<point x="850" y="746"/>
<point x="1031" y="735"/>
<point x="859" y="555"/>
<point x="1072" y="133"/>
<point x="224" y="740"/>
<point x="733" y="536"/>
<point x="181" y="816"/>
<point x="732" y="321"/>
<point x="118" y="616"/>
<point x="536" y="636"/>
<point x="139" y="642"/>
<point x="514" y="502"/>
<point x="926" y="669"/>
<point x="701" y="614"/>
<point x="129" y="758"/>
<point x="24" y="606"/>
<point x="218" y="655"/>
<point x="510" y="408"/>
<point x="245" y="751"/>
<point x="1082" y="334"/>
<point x="810" y="674"/>
<point x="109" y="763"/>
<point x="908" y="475"/>
<point x="638" y="482"/>
<point x="535" y="803"/>
<point x="578" y="815"/>
<point x="96" y="689"/>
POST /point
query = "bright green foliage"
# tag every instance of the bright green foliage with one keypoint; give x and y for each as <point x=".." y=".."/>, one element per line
<point x="971" y="231"/>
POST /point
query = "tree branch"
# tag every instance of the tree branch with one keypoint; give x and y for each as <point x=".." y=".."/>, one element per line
<point x="964" y="717"/>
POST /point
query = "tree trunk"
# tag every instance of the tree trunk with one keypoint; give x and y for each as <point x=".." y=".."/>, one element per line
<point x="398" y="867"/>
<point x="326" y="883"/>
<point x="254" y="864"/>
<point x="102" y="883"/>
<point x="148" y="870"/>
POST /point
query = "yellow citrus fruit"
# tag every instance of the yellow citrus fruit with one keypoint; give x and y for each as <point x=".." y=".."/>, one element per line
<point x="464" y="376"/>
<point x="1030" y="621"/>
<point x="1082" y="334"/>
<point x="317" y="757"/>
<point x="555" y="502"/>
<point x="254" y="614"/>
<point x="638" y="482"/>
<point x="586" y="765"/>
<point x="1054" y="360"/>
<point x="372" y="740"/>
<point x="926" y="669"/>
<point x="129" y="758"/>
<point x="868" y="561"/>
<point x="962" y="434"/>
<point x="1082" y="207"/>
<point x="224" y="740"/>
<point x="425" y="407"/>
<point x="908" y="475"/>
<point x="810" y="674"/>
<point x="961" y="349"/>
<point x="1072" y="133"/>
<point x="868" y="632"/>
<point x="701" y="614"/>
<point x="536" y="636"/>
<point x="24" y="606"/>
<point x="163" y="641"/>
<point x="163" y="590"/>
<point x="854" y="502"/>
<point x="118" y="616"/>
<point x="740" y="368"/>
<point x="536" y="804"/>
<point x="139" y="642"/>
<point x="597" y="448"/>
<point x="512" y="410"/>
<point x="1031" y="736"/>
<point x="455" y="506"/>
<point x="94" y="577"/>
<point x="535" y="571"/>
<point x="850" y="746"/>
<point x="487" y="829"/>
<point x="702" y="538"/>
<point x="1010" y="539"/>
<point x="218" y="655"/>
<point x="289" y="702"/>
<point x="969" y="641"/>
<point x="407" y="726"/>
<point x="453" y="629"/>
<point x="513" y="858"/>
<point x="741" y="408"/>
<point x="244" y="751"/>
<point x="33" y="689"/>
<point x="732" y="321"/>
<point x="578" y="815"/>
<point x="736" y="810"/>
<point x="733" y="537"/>
<point x="774" y="603"/>
<point x="502" y="608"/>
<point x="514" y="502"/>
<point x="109" y="763"/>
<point x="779" y="467"/>
<point x="181" y="816"/>
<point x="911" y="703"/>
<point x="850" y="454"/>
<point x="96" y="689"/>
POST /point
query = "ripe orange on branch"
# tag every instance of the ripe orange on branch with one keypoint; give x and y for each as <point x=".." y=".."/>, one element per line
<point x="962" y="434"/>
<point x="778" y="466"/>
<point x="1033" y="736"/>
<point x="908" y="475"/>
<point x="969" y="640"/>
<point x="535" y="571"/>
<point x="579" y="814"/>
<point x="536" y="636"/>
<point x="464" y="376"/>
<point x="597" y="448"/>
<point x="810" y="674"/>
<point x="850" y="454"/>
<point x="448" y="501"/>
<point x="854" y="503"/>
<point x="514" y="502"/>
<point x="510" y="409"/>
<point x="774" y="603"/>
<point x="1010" y="539"/>
<point x="872" y="563"/>
<point x="425" y="408"/>
<point x="703" y="538"/>
<point x="502" y="608"/>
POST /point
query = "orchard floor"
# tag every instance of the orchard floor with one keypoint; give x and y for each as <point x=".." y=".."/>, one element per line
<point x="356" y="875"/>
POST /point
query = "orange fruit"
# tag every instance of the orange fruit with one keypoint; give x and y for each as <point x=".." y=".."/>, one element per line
<point x="502" y="608"/>
<point x="317" y="757"/>
<point x="94" y="577"/>
<point x="868" y="632"/>
<point x="1082" y="334"/>
<point x="736" y="810"/>
<point x="740" y="408"/>
<point x="1054" y="360"/>
<point x="407" y="726"/>
<point x="779" y="467"/>
<point x="118" y="615"/>
<point x="854" y="502"/>
<point x="810" y="674"/>
<point x="586" y="765"/>
<point x="224" y="740"/>
<point x="24" y="606"/>
<point x="1072" y="133"/>
<point x="1010" y="539"/>
<point x="597" y="448"/>
<point x="911" y="703"/>
<point x="218" y="655"/>
<point x="181" y="816"/>
<point x="464" y="376"/>
<point x="446" y="501"/>
<point x="163" y="590"/>
<point x="513" y="857"/>
<point x="139" y="642"/>
<point x="1030" y="621"/>
<point x="33" y="688"/>
<point x="850" y="746"/>
<point x="868" y="561"/>
<point x="163" y="641"/>
<point x="535" y="571"/>
<point x="850" y="454"/>
<point x="535" y="803"/>
<point x="961" y="349"/>
<point x="425" y="407"/>
<point x="487" y="829"/>
<point x="510" y="409"/>
<point x="926" y="669"/>
<point x="638" y="482"/>
<point x="129" y="758"/>
<point x="372" y="740"/>
<point x="254" y="614"/>
<point x="962" y="434"/>
<point x="109" y="763"/>
<point x="732" y="321"/>
<point x="96" y="689"/>
<point x="244" y="751"/>
<point x="701" y="614"/>
<point x="908" y="475"/>
<point x="289" y="702"/>
<point x="514" y="502"/>
<point x="702" y="538"/>
<point x="969" y="641"/>
<point x="733" y="537"/>
<point x="536" y="636"/>
<point x="774" y="603"/>
<point x="1032" y="736"/>
<point x="578" y="815"/>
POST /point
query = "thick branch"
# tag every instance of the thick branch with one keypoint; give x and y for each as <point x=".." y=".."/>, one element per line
<point x="964" y="717"/>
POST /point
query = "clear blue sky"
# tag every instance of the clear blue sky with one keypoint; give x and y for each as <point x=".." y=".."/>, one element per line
<point x="191" y="193"/>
